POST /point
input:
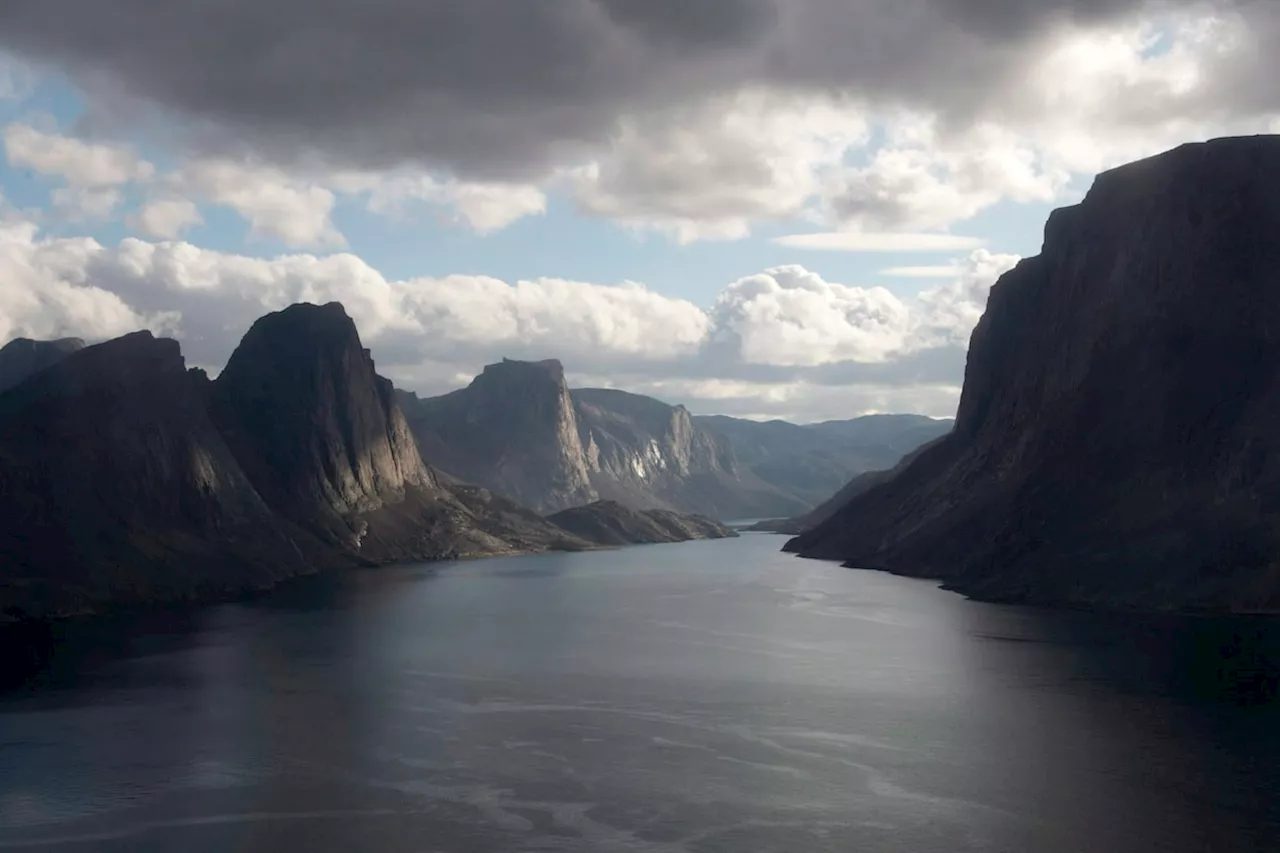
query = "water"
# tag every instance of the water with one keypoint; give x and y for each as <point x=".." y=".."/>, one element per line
<point x="714" y="696"/>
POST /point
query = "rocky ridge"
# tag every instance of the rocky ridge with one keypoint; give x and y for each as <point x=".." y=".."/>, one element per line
<point x="1116" y="441"/>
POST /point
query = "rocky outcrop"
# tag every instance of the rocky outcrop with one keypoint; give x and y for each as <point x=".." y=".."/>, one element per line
<point x="1116" y="442"/>
<point x="611" y="523"/>
<point x="117" y="488"/>
<point x="518" y="430"/>
<point x="128" y="480"/>
<point x="23" y="357"/>
<point x="811" y="461"/>
<point x="645" y="453"/>
<point x="512" y="430"/>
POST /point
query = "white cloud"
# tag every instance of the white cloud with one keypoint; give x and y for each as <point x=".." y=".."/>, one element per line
<point x="790" y="316"/>
<point x="293" y="210"/>
<point x="709" y="170"/>
<point x="44" y="292"/>
<point x="944" y="271"/>
<point x="858" y="241"/>
<point x="484" y="207"/>
<point x="78" y="203"/>
<point x="775" y="332"/>
<point x="166" y="218"/>
<point x="78" y="162"/>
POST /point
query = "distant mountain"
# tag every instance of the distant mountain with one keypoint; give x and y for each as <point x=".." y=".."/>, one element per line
<point x="611" y="523"/>
<point x="1117" y="439"/>
<point x="813" y="461"/>
<point x="128" y="480"/>
<point x="519" y="431"/>
<point x="23" y="357"/>
<point x="512" y="430"/>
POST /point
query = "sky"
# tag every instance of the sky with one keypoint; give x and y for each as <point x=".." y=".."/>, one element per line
<point x="763" y="208"/>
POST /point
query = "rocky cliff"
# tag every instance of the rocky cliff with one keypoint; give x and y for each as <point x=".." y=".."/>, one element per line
<point x="519" y="431"/>
<point x="116" y="488"/>
<point x="645" y="453"/>
<point x="23" y="357"/>
<point x="512" y="430"/>
<point x="611" y="523"/>
<point x="1117" y="439"/>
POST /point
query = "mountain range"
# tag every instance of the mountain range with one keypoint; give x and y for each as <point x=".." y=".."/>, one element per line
<point x="519" y="430"/>
<point x="1117" y="442"/>
<point x="128" y="479"/>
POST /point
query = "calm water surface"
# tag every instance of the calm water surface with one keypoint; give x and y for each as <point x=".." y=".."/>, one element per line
<point x="714" y="696"/>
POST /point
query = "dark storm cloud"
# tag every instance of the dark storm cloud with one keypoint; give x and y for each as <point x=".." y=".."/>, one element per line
<point x="510" y="87"/>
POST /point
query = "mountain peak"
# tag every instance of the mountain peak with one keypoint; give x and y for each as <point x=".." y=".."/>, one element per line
<point x="551" y="368"/>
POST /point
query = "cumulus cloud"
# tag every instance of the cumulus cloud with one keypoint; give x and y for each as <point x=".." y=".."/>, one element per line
<point x="276" y="204"/>
<point x="781" y="331"/>
<point x="78" y="162"/>
<point x="166" y="218"/>
<point x="863" y="241"/>
<point x="44" y="292"/>
<point x="485" y="207"/>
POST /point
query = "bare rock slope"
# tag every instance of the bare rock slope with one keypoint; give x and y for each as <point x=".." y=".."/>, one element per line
<point x="1118" y="437"/>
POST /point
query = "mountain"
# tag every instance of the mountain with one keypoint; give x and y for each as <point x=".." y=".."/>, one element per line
<point x="519" y="431"/>
<point x="116" y="487"/>
<point x="1118" y="437"/>
<point x="812" y="461"/>
<point x="512" y="430"/>
<point x="611" y="523"/>
<point x="23" y="357"/>
<point x="128" y="480"/>
<point x="645" y="453"/>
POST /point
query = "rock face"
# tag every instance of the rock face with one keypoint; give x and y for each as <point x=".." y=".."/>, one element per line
<point x="126" y="479"/>
<point x="23" y="357"/>
<point x="1118" y="437"/>
<point x="116" y="487"/>
<point x="645" y="453"/>
<point x="812" y="461"/>
<point x="519" y="431"/>
<point x="611" y="523"/>
<point x="513" y="431"/>
<point x="313" y="425"/>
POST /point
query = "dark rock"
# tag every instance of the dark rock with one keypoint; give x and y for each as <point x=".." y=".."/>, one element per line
<point x="611" y="523"/>
<point x="22" y="357"/>
<point x="512" y="430"/>
<point x="116" y="488"/>
<point x="1116" y="442"/>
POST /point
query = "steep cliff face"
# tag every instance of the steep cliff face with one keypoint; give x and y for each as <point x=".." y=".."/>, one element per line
<point x="1116" y="441"/>
<point x="315" y="428"/>
<point x="23" y="357"/>
<point x="116" y="487"/>
<point x="513" y="430"/>
<point x="645" y="453"/>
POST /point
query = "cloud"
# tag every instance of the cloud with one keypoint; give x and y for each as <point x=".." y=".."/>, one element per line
<point x="944" y="271"/>
<point x="78" y="203"/>
<point x="781" y="331"/>
<point x="44" y="292"/>
<point x="857" y="241"/>
<point x="492" y="89"/>
<point x="79" y="163"/>
<point x="484" y="207"/>
<point x="709" y="170"/>
<point x="293" y="210"/>
<point x="166" y="218"/>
